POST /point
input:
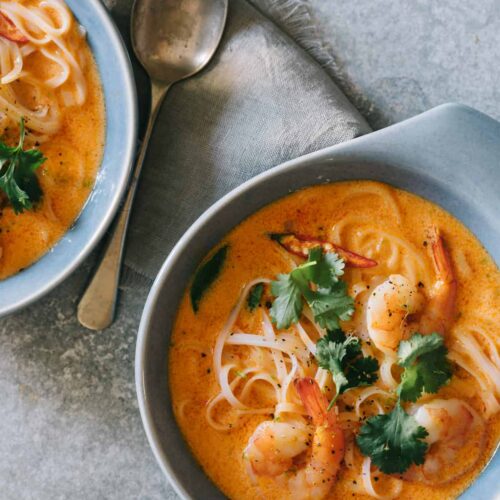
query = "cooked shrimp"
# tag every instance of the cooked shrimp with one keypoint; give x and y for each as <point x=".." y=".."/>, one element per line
<point x="276" y="447"/>
<point x="391" y="302"/>
<point x="440" y="309"/>
<point x="451" y="424"/>
<point x="315" y="479"/>
<point x="387" y="309"/>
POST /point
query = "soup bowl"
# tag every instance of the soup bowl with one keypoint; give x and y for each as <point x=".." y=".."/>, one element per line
<point x="120" y="141"/>
<point x="448" y="155"/>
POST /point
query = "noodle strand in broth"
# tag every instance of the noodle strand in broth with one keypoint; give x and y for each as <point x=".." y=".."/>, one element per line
<point x="47" y="26"/>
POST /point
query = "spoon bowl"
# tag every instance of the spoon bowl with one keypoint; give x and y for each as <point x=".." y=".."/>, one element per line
<point x="174" y="39"/>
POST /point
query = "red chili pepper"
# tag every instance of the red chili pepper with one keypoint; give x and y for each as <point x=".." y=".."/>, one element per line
<point x="300" y="245"/>
<point x="9" y="30"/>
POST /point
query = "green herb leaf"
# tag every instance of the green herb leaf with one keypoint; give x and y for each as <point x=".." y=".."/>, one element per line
<point x="255" y="296"/>
<point x="417" y="345"/>
<point x="287" y="307"/>
<point x="361" y="372"/>
<point x="330" y="306"/>
<point x="393" y="441"/>
<point x="426" y="367"/>
<point x="329" y="302"/>
<point x="341" y="356"/>
<point x="206" y="275"/>
<point x="330" y="356"/>
<point x="18" y="179"/>
<point x="327" y="270"/>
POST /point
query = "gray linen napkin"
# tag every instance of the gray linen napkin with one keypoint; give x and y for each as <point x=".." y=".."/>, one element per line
<point x="262" y="100"/>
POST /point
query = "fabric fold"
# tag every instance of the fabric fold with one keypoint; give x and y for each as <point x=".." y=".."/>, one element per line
<point x="261" y="101"/>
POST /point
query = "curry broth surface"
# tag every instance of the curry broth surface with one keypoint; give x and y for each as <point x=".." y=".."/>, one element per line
<point x="67" y="177"/>
<point x="252" y="254"/>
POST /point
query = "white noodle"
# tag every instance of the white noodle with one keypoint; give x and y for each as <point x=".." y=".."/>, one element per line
<point x="268" y="330"/>
<point x="226" y="388"/>
<point x="47" y="27"/>
<point x="306" y="339"/>
<point x="11" y="61"/>
<point x="468" y="345"/>
<point x="386" y="371"/>
<point x="491" y="405"/>
<point x="366" y="474"/>
<point x="366" y="393"/>
<point x="250" y="339"/>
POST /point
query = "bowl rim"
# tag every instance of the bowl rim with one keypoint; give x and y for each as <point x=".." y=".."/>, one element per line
<point x="449" y="111"/>
<point x="129" y="93"/>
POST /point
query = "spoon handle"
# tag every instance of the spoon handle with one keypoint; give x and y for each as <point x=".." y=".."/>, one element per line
<point x="96" y="309"/>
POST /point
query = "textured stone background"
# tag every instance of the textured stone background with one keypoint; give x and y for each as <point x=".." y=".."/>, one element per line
<point x="69" y="424"/>
<point x="407" y="56"/>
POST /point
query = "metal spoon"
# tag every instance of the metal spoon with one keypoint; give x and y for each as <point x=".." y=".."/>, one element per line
<point x="173" y="40"/>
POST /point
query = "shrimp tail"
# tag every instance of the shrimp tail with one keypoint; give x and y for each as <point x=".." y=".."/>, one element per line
<point x="442" y="259"/>
<point x="441" y="309"/>
<point x="315" y="402"/>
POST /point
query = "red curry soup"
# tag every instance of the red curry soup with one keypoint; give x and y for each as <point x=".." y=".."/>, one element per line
<point x="341" y="342"/>
<point x="52" y="123"/>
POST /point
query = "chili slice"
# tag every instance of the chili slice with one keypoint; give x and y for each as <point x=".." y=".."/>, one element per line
<point x="300" y="246"/>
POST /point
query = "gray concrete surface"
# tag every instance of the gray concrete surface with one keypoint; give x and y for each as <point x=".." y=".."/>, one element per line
<point x="403" y="57"/>
<point x="69" y="424"/>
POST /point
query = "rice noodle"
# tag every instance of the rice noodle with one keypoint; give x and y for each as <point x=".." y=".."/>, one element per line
<point x="311" y="346"/>
<point x="366" y="475"/>
<point x="468" y="345"/>
<point x="481" y="364"/>
<point x="386" y="371"/>
<point x="366" y="393"/>
<point x="47" y="26"/>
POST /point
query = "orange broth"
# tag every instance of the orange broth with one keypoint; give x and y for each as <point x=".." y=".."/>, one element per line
<point x="313" y="211"/>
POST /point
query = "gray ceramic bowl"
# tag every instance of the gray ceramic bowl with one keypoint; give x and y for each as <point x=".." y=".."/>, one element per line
<point x="450" y="155"/>
<point x="121" y="131"/>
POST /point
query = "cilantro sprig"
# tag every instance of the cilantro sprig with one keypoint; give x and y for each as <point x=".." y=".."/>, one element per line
<point x="395" y="441"/>
<point x="18" y="180"/>
<point x="426" y="367"/>
<point x="327" y="298"/>
<point x="341" y="355"/>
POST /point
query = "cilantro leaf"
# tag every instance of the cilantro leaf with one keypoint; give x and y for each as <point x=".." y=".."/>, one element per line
<point x="329" y="302"/>
<point x="393" y="441"/>
<point x="255" y="296"/>
<point x="426" y="367"/>
<point x="18" y="180"/>
<point x="341" y="356"/>
<point x="330" y="355"/>
<point x="329" y="266"/>
<point x="337" y="335"/>
<point x="362" y="371"/>
<point x="287" y="307"/>
<point x="418" y="344"/>
<point x="330" y="306"/>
